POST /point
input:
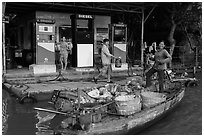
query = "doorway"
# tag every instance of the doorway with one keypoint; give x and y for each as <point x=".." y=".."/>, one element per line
<point x="64" y="31"/>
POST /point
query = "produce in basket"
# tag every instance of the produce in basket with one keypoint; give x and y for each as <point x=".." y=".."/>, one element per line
<point x="95" y="93"/>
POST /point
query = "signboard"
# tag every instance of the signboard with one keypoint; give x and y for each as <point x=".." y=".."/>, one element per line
<point x="43" y="28"/>
<point x="45" y="21"/>
<point x="120" y="25"/>
<point x="81" y="16"/>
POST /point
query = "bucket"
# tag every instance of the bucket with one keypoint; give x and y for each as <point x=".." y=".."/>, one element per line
<point x="118" y="62"/>
<point x="128" y="104"/>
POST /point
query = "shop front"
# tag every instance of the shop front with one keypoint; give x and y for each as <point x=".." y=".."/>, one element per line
<point x="41" y="33"/>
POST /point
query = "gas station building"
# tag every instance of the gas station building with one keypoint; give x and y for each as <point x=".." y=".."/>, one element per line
<point x="31" y="31"/>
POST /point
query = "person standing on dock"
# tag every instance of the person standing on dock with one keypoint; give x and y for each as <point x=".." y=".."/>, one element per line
<point x="64" y="52"/>
<point x="161" y="58"/>
<point x="70" y="46"/>
<point x="106" y="62"/>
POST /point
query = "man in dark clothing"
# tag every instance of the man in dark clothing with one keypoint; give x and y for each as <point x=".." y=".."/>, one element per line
<point x="161" y="58"/>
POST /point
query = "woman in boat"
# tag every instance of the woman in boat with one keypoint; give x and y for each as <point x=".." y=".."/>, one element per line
<point x="161" y="58"/>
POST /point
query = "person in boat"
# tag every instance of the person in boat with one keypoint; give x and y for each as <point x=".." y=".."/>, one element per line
<point x="161" y="58"/>
<point x="146" y="53"/>
<point x="65" y="49"/>
<point x="106" y="62"/>
<point x="149" y="53"/>
<point x="152" y="50"/>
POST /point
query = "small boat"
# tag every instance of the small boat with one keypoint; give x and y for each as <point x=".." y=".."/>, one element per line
<point x="104" y="117"/>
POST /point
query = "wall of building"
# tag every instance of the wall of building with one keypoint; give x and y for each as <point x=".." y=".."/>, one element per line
<point x="63" y="19"/>
<point x="23" y="30"/>
<point x="100" y="22"/>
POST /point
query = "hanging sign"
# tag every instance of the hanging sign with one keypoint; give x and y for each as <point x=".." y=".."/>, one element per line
<point x="81" y="16"/>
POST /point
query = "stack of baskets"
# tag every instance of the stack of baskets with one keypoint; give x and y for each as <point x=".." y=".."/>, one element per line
<point x="128" y="104"/>
<point x="150" y="99"/>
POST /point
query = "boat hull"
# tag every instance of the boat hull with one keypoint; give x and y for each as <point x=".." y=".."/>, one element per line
<point x="134" y="123"/>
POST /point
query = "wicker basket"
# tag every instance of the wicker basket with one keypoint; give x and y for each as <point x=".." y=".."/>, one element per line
<point x="64" y="105"/>
<point x="128" y="104"/>
<point x="150" y="99"/>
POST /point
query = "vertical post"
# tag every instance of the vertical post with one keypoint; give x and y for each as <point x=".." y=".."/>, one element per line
<point x="3" y="38"/>
<point x="3" y="48"/>
<point x="142" y="36"/>
<point x="196" y="56"/>
<point x="79" y="96"/>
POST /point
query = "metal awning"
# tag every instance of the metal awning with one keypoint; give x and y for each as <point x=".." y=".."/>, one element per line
<point x="100" y="7"/>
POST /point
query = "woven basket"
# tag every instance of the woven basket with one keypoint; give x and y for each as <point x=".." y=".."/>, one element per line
<point x="63" y="105"/>
<point x="150" y="99"/>
<point x="128" y="104"/>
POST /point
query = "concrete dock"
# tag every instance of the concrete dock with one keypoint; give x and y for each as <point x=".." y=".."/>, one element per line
<point x="25" y="84"/>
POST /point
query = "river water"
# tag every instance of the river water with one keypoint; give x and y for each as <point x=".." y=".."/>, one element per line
<point x="186" y="119"/>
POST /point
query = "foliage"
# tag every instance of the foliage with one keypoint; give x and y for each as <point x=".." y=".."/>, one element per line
<point x="192" y="19"/>
<point x="186" y="15"/>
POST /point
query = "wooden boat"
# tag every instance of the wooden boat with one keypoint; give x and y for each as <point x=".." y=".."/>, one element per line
<point x="113" y="123"/>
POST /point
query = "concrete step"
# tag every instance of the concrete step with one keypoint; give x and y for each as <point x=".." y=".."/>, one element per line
<point x="63" y="76"/>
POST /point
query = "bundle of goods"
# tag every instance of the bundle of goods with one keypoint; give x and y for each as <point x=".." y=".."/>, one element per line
<point x="128" y="104"/>
<point x="118" y="62"/>
<point x="150" y="99"/>
<point x="114" y="89"/>
<point x="137" y="79"/>
<point x="89" y="113"/>
<point x="101" y="94"/>
<point x="66" y="100"/>
<point x="136" y="85"/>
<point x="85" y="98"/>
<point x="64" y="105"/>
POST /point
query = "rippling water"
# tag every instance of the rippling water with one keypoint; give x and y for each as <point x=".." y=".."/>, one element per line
<point x="186" y="119"/>
<point x="20" y="119"/>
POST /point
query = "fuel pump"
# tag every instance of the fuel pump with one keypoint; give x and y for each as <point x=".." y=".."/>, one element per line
<point x="118" y="40"/>
<point x="45" y="42"/>
<point x="83" y="40"/>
